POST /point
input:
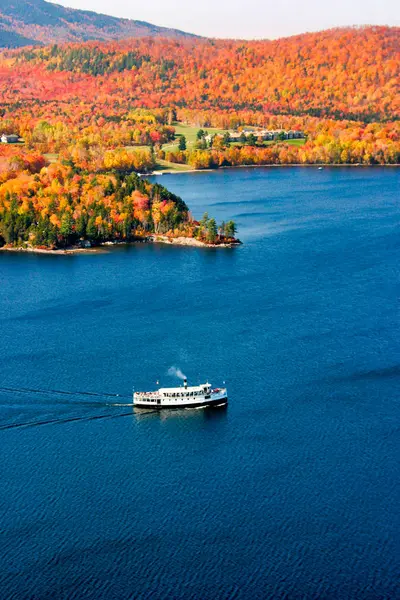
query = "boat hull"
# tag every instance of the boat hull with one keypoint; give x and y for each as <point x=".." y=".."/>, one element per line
<point x="212" y="403"/>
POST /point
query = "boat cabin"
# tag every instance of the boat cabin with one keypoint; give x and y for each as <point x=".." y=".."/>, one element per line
<point x="185" y="391"/>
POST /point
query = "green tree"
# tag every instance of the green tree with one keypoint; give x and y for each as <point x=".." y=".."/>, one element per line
<point x="200" y="134"/>
<point x="80" y="225"/>
<point x="226" y="139"/>
<point x="204" y="221"/>
<point x="251" y="139"/>
<point x="230" y="229"/>
<point x="211" y="230"/>
<point x="66" y="228"/>
<point x="91" y="229"/>
<point x="182" y="143"/>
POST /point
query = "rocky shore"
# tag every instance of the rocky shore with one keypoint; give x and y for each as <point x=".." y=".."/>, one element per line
<point x="101" y="248"/>
<point x="188" y="241"/>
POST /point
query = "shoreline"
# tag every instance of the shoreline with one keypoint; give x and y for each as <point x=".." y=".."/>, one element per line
<point x="187" y="241"/>
<point x="296" y="165"/>
<point x="102" y="248"/>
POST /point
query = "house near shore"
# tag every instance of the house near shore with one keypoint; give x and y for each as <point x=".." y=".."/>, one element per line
<point x="9" y="139"/>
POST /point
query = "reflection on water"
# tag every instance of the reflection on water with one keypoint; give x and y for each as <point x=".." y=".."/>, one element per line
<point x="203" y="414"/>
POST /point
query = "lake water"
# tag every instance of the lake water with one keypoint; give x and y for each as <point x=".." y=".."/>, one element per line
<point x="293" y="490"/>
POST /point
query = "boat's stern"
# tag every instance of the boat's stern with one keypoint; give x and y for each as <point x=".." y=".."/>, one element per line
<point x="146" y="399"/>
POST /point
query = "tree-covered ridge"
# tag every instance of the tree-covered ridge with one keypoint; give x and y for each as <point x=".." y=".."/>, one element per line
<point x="92" y="60"/>
<point x="351" y="73"/>
<point x="47" y="22"/>
<point x="59" y="204"/>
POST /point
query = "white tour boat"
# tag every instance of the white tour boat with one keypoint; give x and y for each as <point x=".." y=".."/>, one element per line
<point x="182" y="397"/>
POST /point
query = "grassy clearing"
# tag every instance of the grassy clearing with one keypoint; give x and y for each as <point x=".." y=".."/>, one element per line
<point x="164" y="164"/>
<point x="190" y="133"/>
<point x="299" y="142"/>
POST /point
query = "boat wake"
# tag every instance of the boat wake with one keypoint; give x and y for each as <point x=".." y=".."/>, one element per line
<point x="63" y="420"/>
<point x="62" y="392"/>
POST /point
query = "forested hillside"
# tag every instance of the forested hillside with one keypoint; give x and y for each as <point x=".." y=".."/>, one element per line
<point x="89" y="115"/>
<point x="23" y="22"/>
<point x="343" y="73"/>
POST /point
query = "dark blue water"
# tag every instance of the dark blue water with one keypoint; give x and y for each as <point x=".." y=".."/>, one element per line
<point x="293" y="491"/>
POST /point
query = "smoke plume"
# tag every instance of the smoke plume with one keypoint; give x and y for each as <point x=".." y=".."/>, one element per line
<point x="175" y="371"/>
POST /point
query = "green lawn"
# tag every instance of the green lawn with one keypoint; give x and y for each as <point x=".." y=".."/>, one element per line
<point x="299" y="142"/>
<point x="190" y="134"/>
<point x="166" y="165"/>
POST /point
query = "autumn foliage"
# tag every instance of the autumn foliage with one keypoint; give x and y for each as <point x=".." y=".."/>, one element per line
<point x="58" y="205"/>
<point x="351" y="73"/>
<point x="103" y="111"/>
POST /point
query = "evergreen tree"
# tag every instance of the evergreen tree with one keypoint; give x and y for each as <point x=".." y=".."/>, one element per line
<point x="91" y="229"/>
<point x="226" y="139"/>
<point x="66" y="228"/>
<point x="182" y="143"/>
<point x="80" y="225"/>
<point x="230" y="229"/>
<point x="211" y="230"/>
<point x="204" y="221"/>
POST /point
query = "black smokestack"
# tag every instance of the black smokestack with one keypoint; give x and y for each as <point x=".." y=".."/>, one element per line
<point x="185" y="382"/>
